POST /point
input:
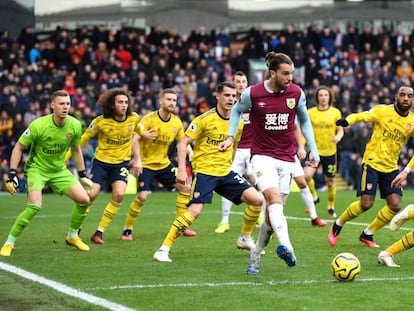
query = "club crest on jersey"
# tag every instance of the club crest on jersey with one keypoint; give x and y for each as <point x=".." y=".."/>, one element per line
<point x="193" y="127"/>
<point x="130" y="128"/>
<point x="290" y="102"/>
<point x="409" y="127"/>
<point x="174" y="130"/>
<point x="69" y="136"/>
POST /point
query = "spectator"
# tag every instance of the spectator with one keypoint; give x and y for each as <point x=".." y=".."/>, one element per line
<point x="6" y="128"/>
<point x="356" y="61"/>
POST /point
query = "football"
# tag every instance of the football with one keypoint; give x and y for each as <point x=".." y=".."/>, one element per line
<point x="345" y="267"/>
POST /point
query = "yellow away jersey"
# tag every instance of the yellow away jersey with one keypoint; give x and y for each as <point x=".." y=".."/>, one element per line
<point x="324" y="129"/>
<point x="154" y="153"/>
<point x="209" y="130"/>
<point x="391" y="132"/>
<point x="114" y="138"/>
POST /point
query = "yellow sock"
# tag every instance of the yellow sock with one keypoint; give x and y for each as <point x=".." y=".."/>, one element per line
<point x="88" y="209"/>
<point x="110" y="211"/>
<point x="181" y="203"/>
<point x="384" y="216"/>
<point x="250" y="216"/>
<point x="135" y="209"/>
<point x="180" y="224"/>
<point x="353" y="210"/>
<point x="405" y="243"/>
<point x="312" y="188"/>
<point x="331" y="193"/>
<point x="410" y="214"/>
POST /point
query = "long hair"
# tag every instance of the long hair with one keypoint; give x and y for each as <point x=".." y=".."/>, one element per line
<point x="107" y="101"/>
<point x="331" y="94"/>
<point x="274" y="60"/>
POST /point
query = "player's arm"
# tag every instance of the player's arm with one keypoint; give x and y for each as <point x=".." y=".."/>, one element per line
<point x="365" y="116"/>
<point x="241" y="105"/>
<point x="136" y="162"/>
<point x="306" y="127"/>
<point x="77" y="157"/>
<point x="13" y="182"/>
<point x="301" y="152"/>
<point x="400" y="179"/>
<point x="190" y="152"/>
<point x="182" y="150"/>
<point x="149" y="134"/>
<point x="339" y="134"/>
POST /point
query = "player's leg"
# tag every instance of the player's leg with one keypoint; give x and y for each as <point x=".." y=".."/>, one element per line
<point x="224" y="225"/>
<point x="406" y="214"/>
<point x="386" y="214"/>
<point x="238" y="166"/>
<point x="250" y="216"/>
<point x="329" y="170"/>
<point x="99" y="175"/>
<point x="32" y="208"/>
<point x="66" y="183"/>
<point x="111" y="209"/>
<point x="299" y="177"/>
<point x="180" y="224"/>
<point x="309" y="173"/>
<point x="202" y="184"/>
<point x="367" y="197"/>
<point x="308" y="200"/>
<point x="274" y="179"/>
<point x="135" y="208"/>
<point x="386" y="257"/>
<point x="236" y="189"/>
<point x="167" y="178"/>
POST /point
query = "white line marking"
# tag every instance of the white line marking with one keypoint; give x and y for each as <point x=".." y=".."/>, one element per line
<point x="283" y="282"/>
<point x="65" y="289"/>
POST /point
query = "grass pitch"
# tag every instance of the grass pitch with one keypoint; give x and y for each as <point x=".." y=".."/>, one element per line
<point x="208" y="272"/>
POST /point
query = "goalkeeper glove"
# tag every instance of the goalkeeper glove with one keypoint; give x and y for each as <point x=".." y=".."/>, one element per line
<point x="342" y="122"/>
<point x="86" y="183"/>
<point x="12" y="182"/>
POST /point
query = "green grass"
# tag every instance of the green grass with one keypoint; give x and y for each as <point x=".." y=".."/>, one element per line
<point x="208" y="271"/>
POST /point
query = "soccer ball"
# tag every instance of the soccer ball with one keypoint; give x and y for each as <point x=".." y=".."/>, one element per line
<point x="345" y="267"/>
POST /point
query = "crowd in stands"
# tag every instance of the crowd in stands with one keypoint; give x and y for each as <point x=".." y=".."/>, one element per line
<point x="364" y="67"/>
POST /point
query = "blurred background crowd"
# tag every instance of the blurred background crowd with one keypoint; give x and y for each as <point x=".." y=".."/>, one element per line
<point x="364" y="67"/>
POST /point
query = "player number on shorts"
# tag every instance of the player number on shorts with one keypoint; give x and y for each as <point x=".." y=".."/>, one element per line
<point x="123" y="171"/>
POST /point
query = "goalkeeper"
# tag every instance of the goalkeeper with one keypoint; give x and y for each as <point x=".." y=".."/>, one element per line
<point x="49" y="137"/>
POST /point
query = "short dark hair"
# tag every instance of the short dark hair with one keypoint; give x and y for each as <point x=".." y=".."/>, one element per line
<point x="58" y="93"/>
<point x="239" y="73"/>
<point x="222" y="85"/>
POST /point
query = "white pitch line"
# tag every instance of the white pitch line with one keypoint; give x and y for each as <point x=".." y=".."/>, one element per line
<point x="64" y="288"/>
<point x="272" y="283"/>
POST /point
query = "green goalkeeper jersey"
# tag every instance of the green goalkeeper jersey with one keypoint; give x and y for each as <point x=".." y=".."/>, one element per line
<point x="49" y="143"/>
